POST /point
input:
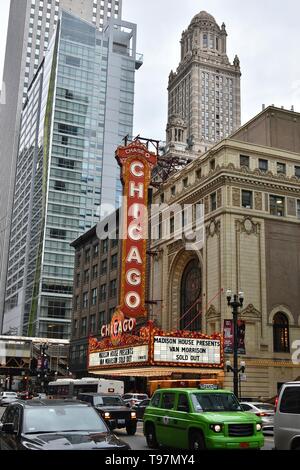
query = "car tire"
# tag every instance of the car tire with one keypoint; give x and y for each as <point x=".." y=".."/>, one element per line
<point x="131" y="429"/>
<point x="197" y="442"/>
<point x="151" y="436"/>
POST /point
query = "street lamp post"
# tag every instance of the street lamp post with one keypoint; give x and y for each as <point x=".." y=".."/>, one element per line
<point x="235" y="301"/>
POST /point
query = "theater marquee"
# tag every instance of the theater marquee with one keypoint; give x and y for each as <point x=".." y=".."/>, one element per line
<point x="169" y="350"/>
<point x="154" y="347"/>
<point x="117" y="357"/>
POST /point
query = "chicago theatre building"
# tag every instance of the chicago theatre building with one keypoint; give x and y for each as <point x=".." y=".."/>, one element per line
<point x="161" y="316"/>
<point x="249" y="188"/>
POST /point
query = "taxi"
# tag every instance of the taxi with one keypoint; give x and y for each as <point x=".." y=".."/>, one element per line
<point x="200" y="419"/>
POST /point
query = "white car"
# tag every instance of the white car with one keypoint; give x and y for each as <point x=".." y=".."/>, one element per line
<point x="7" y="397"/>
<point x="134" y="398"/>
<point x="287" y="417"/>
<point x="265" y="411"/>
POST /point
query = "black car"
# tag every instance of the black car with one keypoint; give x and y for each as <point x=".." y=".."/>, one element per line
<point x="113" y="410"/>
<point x="55" y="425"/>
<point x="139" y="408"/>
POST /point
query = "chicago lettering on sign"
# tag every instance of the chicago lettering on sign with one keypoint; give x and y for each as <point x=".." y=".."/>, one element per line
<point x="136" y="166"/>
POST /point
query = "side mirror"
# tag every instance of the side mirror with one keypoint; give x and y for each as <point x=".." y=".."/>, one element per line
<point x="8" y="428"/>
<point x="183" y="408"/>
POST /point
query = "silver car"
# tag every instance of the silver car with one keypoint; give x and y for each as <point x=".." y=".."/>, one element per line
<point x="134" y="398"/>
<point x="7" y="397"/>
<point x="265" y="411"/>
<point x="287" y="418"/>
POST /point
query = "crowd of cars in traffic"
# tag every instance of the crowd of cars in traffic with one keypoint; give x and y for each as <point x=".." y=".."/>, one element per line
<point x="182" y="418"/>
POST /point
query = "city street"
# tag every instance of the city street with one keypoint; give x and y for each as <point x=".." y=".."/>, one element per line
<point x="138" y="442"/>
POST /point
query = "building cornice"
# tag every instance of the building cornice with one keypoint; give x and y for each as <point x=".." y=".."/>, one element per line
<point x="228" y="174"/>
<point x="241" y="146"/>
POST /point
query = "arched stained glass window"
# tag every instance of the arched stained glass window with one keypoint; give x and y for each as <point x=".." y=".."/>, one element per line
<point x="281" y="333"/>
<point x="191" y="290"/>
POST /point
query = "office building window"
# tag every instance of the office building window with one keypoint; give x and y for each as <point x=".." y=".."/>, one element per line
<point x="103" y="293"/>
<point x="94" y="296"/>
<point x="86" y="276"/>
<point x="83" y="326"/>
<point x="199" y="173"/>
<point x="103" y="266"/>
<point x="281" y="168"/>
<point x="102" y="318"/>
<point x="95" y="250"/>
<point x="75" y="329"/>
<point x="263" y="165"/>
<point x="172" y="223"/>
<point x="104" y="247"/>
<point x="113" y="288"/>
<point x="95" y="271"/>
<point x="297" y="171"/>
<point x="298" y="208"/>
<point x="85" y="301"/>
<point x="92" y="324"/>
<point x="213" y="201"/>
<point x="87" y="255"/>
<point x="114" y="262"/>
<point x="277" y="205"/>
<point x="247" y="199"/>
<point x="244" y="161"/>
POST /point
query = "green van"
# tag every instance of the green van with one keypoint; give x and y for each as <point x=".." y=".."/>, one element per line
<point x="200" y="419"/>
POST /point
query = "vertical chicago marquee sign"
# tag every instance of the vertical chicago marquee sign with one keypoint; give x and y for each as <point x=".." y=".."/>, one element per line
<point x="136" y="164"/>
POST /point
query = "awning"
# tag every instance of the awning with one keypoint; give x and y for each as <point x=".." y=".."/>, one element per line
<point x="156" y="371"/>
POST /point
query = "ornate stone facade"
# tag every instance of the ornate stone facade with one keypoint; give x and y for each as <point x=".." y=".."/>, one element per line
<point x="251" y="243"/>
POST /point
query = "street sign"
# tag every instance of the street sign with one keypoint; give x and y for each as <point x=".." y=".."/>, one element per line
<point x="243" y="377"/>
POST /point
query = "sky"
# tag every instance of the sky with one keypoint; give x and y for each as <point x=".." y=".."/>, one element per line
<point x="263" y="33"/>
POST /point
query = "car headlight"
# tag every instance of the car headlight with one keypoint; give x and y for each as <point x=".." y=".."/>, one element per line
<point x="216" y="427"/>
<point x="106" y="415"/>
<point x="133" y="415"/>
<point x="258" y="427"/>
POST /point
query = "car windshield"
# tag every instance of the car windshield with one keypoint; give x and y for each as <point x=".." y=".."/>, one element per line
<point x="215" y="402"/>
<point x="112" y="401"/>
<point x="8" y="394"/>
<point x="264" y="406"/>
<point x="62" y="419"/>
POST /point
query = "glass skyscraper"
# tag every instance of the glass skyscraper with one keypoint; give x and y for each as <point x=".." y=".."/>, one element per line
<point x="78" y="109"/>
<point x="30" y="28"/>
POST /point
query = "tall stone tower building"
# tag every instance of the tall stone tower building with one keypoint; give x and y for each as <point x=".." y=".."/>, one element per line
<point x="205" y="89"/>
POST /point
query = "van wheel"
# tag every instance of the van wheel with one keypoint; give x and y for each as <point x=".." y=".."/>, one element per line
<point x="151" y="436"/>
<point x="131" y="429"/>
<point x="197" y="441"/>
